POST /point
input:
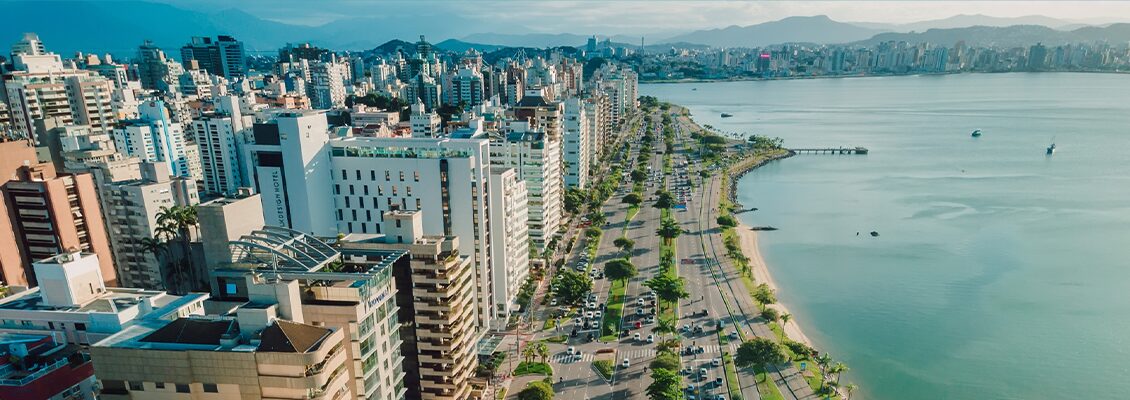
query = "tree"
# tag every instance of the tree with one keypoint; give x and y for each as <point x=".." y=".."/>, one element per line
<point x="727" y="221"/>
<point x="176" y="224"/>
<point x="633" y="199"/>
<point x="536" y="390"/>
<point x="770" y="314"/>
<point x="529" y="353"/>
<point x="800" y="349"/>
<point x="851" y="387"/>
<point x="785" y="318"/>
<point x="597" y="218"/>
<point x="574" y="199"/>
<point x="669" y="229"/>
<point x="668" y="288"/>
<point x="665" y="360"/>
<point x="624" y="244"/>
<point x="764" y="294"/>
<point x="592" y="232"/>
<point x="665" y="385"/>
<point x="838" y="368"/>
<point x="639" y="176"/>
<point x="620" y="269"/>
<point x="668" y="345"/>
<point x="541" y="349"/>
<point x="664" y="199"/>
<point x="573" y="286"/>
<point x="760" y="351"/>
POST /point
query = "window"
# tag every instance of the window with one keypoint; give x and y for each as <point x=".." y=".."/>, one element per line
<point x="416" y="175"/>
<point x="402" y="176"/>
<point x="408" y="190"/>
<point x="351" y="191"/>
<point x="344" y="175"/>
<point x="80" y="326"/>
<point x="388" y="176"/>
<point x="337" y="189"/>
<point x="417" y="204"/>
<point x="182" y="388"/>
<point x="160" y="385"/>
<point x="372" y="175"/>
<point x="398" y="223"/>
<point x="358" y="174"/>
<point x="211" y="388"/>
<point x="135" y="386"/>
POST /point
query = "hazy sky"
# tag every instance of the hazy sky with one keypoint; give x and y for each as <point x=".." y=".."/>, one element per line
<point x="612" y="16"/>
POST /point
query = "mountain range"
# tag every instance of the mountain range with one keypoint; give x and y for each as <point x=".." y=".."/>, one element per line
<point x="117" y="27"/>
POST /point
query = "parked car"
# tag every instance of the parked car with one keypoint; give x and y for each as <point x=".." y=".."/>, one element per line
<point x="626" y="363"/>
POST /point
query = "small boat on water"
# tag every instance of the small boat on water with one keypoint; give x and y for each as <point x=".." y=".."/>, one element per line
<point x="976" y="133"/>
<point x="694" y="88"/>
<point x="1051" y="149"/>
<point x="874" y="234"/>
<point x="727" y="115"/>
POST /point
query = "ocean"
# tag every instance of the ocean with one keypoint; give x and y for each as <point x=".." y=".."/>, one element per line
<point x="999" y="272"/>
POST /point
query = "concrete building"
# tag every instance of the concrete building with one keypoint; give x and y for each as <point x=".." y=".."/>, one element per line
<point x="223" y="56"/>
<point x="253" y="356"/>
<point x="72" y="301"/>
<point x="219" y="135"/>
<point x="43" y="366"/>
<point x="326" y="87"/>
<point x="224" y="220"/>
<point x="577" y="151"/>
<point x="510" y="245"/>
<point x="131" y="209"/>
<point x="536" y="155"/>
<point x="308" y="281"/>
<point x="467" y="86"/>
<point x="53" y="213"/>
<point x="154" y="137"/>
<point x="155" y="70"/>
<point x="436" y="293"/>
<point x="425" y="124"/>
<point x="42" y="87"/>
<point x="447" y="180"/>
<point x="290" y="169"/>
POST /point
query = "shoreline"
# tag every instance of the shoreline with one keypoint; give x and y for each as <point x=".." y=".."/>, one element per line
<point x="798" y="78"/>
<point x="747" y="239"/>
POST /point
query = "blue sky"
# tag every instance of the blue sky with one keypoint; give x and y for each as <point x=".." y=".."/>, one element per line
<point x="652" y="16"/>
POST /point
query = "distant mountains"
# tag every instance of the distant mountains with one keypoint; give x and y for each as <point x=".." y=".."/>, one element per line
<point x="817" y="29"/>
<point x="117" y="27"/>
<point x="1010" y="36"/>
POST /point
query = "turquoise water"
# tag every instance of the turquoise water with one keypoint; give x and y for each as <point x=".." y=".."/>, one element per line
<point x="1000" y="272"/>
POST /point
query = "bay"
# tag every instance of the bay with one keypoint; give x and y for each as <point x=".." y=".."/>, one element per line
<point x="999" y="273"/>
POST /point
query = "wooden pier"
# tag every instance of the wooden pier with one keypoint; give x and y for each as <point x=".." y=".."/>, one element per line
<point x="832" y="150"/>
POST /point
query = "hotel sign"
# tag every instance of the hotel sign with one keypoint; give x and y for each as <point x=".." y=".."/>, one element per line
<point x="272" y="189"/>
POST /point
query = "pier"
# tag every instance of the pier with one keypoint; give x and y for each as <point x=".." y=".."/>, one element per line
<point x="831" y="150"/>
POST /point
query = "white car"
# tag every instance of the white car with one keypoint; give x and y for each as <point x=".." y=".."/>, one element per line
<point x="639" y="302"/>
<point x="553" y="302"/>
<point x="597" y="314"/>
<point x="588" y="314"/>
<point x="637" y="337"/>
<point x="716" y="362"/>
<point x="571" y="350"/>
<point x="651" y="338"/>
<point x="626" y="363"/>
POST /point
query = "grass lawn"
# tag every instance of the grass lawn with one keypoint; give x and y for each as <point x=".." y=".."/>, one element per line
<point x="604" y="368"/>
<point x="550" y="323"/>
<point x="557" y="339"/>
<point x="632" y="211"/>
<point x="766" y="386"/>
<point x="533" y="368"/>
<point x="732" y="384"/>
<point x="500" y="394"/>
<point x="610" y="325"/>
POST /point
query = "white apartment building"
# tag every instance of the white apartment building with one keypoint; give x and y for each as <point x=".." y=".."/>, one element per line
<point x="578" y="150"/>
<point x="536" y="156"/>
<point x="510" y="249"/>
<point x="289" y="166"/>
<point x="425" y="124"/>
<point x="327" y="84"/>
<point x="130" y="210"/>
<point x="154" y="137"/>
<point x="218" y="137"/>
<point x="72" y="300"/>
<point x="446" y="179"/>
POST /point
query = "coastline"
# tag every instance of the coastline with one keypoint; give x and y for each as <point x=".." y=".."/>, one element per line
<point x="809" y="77"/>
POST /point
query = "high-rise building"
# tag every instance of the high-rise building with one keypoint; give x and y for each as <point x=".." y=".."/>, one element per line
<point x="1037" y="56"/>
<point x="326" y="87"/>
<point x="290" y="169"/>
<point x="53" y="213"/>
<point x="131" y="209"/>
<point x="510" y="245"/>
<point x="154" y="137"/>
<point x="60" y="371"/>
<point x="577" y="150"/>
<point x="467" y="86"/>
<point x="425" y="124"/>
<point x="223" y="56"/>
<point x="219" y="136"/>
<point x="536" y="155"/>
<point x="155" y="70"/>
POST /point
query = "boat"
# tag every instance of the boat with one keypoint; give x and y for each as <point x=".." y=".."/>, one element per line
<point x="874" y="234"/>
<point x="1051" y="149"/>
<point x="694" y="88"/>
<point x="977" y="133"/>
<point x="727" y="115"/>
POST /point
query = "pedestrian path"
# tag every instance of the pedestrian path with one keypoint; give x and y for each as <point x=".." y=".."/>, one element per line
<point x="562" y="358"/>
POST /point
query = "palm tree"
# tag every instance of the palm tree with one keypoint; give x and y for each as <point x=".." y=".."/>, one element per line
<point x="542" y="350"/>
<point x="529" y="353"/>
<point x="177" y="223"/>
<point x="669" y="229"/>
<point x="671" y="345"/>
<point x="851" y="387"/>
<point x="838" y="368"/>
<point x="785" y="318"/>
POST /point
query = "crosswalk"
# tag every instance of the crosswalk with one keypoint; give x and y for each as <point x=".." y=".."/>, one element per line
<point x="562" y="358"/>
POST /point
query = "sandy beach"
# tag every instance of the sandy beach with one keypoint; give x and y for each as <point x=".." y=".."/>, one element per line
<point x="748" y="238"/>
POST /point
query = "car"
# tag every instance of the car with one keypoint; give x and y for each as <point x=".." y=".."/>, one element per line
<point x="650" y="319"/>
<point x="721" y="323"/>
<point x="636" y="337"/>
<point x="571" y="350"/>
<point x="700" y="350"/>
<point x="734" y="335"/>
<point x="702" y="372"/>
<point x="577" y="355"/>
<point x="626" y="363"/>
<point x="592" y="296"/>
<point x="588" y="314"/>
<point x="639" y="324"/>
<point x="553" y="302"/>
<point x="718" y="382"/>
<point x="573" y="333"/>
<point x="591" y="305"/>
<point x="698" y="329"/>
<point x="601" y="306"/>
<point x="579" y="321"/>
<point x="651" y="338"/>
<point x="716" y="362"/>
<point x="639" y="311"/>
<point x="639" y="302"/>
<point x="686" y="370"/>
<point x="686" y="328"/>
<point x="690" y="388"/>
<point x="596" y="314"/>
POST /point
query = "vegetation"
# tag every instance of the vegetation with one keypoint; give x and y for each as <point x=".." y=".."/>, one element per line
<point x="603" y="367"/>
<point x="633" y="199"/>
<point x="669" y="229"/>
<point x="533" y="368"/>
<point x="665" y="385"/>
<point x="526" y="293"/>
<point x="668" y="288"/>
<point x="764" y="294"/>
<point x="770" y="314"/>
<point x="592" y="232"/>
<point x="624" y="244"/>
<point x="572" y="286"/>
<point x="759" y="352"/>
<point x="537" y="390"/>
<point x="610" y="324"/>
<point x="732" y="384"/>
<point x="801" y="350"/>
<point x="490" y="367"/>
<point x="727" y="221"/>
<point x="664" y="199"/>
<point x="174" y="225"/>
<point x="665" y="360"/>
<point x="620" y="269"/>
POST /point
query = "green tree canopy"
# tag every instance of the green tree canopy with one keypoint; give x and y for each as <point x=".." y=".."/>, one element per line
<point x="727" y="221"/>
<point x="574" y="199"/>
<point x="771" y="314"/>
<point x="624" y="243"/>
<point x="665" y="199"/>
<point x="573" y="286"/>
<point x="639" y="176"/>
<point x="536" y="390"/>
<point x="665" y="360"/>
<point x="633" y="199"/>
<point x="760" y="351"/>
<point x="620" y="269"/>
<point x="668" y="288"/>
<point x="665" y="385"/>
<point x="669" y="229"/>
<point x="592" y="232"/>
<point x="764" y="294"/>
